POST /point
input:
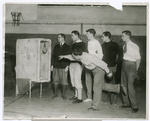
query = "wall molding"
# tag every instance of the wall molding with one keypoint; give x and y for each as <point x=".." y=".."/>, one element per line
<point x="76" y="23"/>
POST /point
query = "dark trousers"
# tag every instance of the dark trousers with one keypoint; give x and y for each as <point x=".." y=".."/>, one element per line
<point x="127" y="79"/>
<point x="110" y="95"/>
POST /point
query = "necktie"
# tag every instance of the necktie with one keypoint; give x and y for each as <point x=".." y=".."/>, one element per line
<point x="125" y="48"/>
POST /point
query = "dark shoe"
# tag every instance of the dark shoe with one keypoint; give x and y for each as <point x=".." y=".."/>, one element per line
<point x="123" y="106"/>
<point x="135" y="110"/>
<point x="93" y="109"/>
<point x="123" y="90"/>
<point x="73" y="98"/>
<point x="77" y="101"/>
<point x="64" y="97"/>
<point x="54" y="96"/>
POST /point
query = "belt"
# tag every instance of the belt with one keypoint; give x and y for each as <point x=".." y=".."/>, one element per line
<point x="129" y="61"/>
<point x="76" y="62"/>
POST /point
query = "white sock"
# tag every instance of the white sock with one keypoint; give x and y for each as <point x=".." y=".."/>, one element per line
<point x="79" y="93"/>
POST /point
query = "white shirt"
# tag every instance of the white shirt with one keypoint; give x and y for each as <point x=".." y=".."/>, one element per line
<point x="62" y="43"/>
<point x="91" y="61"/>
<point x="95" y="48"/>
<point x="132" y="53"/>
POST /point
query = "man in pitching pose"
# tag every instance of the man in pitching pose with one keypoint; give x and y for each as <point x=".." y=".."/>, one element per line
<point x="97" y="67"/>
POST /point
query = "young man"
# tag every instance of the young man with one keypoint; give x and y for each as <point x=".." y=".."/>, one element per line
<point x="75" y="68"/>
<point x="112" y="56"/>
<point x="97" y="67"/>
<point x="94" y="48"/>
<point x="60" y="68"/>
<point x="130" y="66"/>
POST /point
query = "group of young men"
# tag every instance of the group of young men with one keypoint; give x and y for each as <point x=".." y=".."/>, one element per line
<point x="100" y="64"/>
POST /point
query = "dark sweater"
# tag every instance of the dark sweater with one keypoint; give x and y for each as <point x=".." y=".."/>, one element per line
<point x="64" y="50"/>
<point x="80" y="45"/>
<point x="110" y="51"/>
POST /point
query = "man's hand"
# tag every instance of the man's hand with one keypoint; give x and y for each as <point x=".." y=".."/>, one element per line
<point x="109" y="76"/>
<point x="137" y="79"/>
<point x="51" y="68"/>
<point x="61" y="57"/>
<point x="66" y="69"/>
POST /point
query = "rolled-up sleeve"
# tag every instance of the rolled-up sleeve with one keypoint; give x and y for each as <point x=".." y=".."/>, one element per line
<point x="137" y="52"/>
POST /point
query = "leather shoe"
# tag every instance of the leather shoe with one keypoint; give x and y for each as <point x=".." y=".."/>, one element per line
<point x="77" y="101"/>
<point x="93" y="109"/>
<point x="135" y="110"/>
<point x="123" y="90"/>
<point x="73" y="98"/>
<point x="54" y="96"/>
<point x="64" y="97"/>
<point x="123" y="106"/>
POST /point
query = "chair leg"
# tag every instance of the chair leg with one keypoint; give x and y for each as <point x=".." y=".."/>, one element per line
<point x="29" y="89"/>
<point x="41" y="90"/>
<point x="16" y="89"/>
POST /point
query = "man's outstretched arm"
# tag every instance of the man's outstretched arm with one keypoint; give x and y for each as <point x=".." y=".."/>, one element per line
<point x="69" y="57"/>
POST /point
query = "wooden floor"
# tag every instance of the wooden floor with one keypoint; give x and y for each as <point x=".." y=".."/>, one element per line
<point x="21" y="107"/>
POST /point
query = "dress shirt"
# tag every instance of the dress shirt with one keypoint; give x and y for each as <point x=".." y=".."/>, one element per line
<point x="132" y="53"/>
<point x="90" y="61"/>
<point x="61" y="44"/>
<point x="95" y="48"/>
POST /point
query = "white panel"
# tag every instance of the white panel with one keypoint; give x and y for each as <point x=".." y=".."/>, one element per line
<point x="44" y="62"/>
<point x="30" y="61"/>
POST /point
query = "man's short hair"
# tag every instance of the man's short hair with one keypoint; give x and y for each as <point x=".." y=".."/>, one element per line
<point x="92" y="31"/>
<point x="127" y="32"/>
<point x="62" y="35"/>
<point x="76" y="33"/>
<point x="77" y="51"/>
<point x="107" y="34"/>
